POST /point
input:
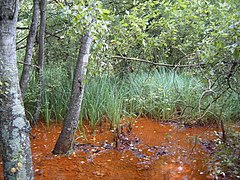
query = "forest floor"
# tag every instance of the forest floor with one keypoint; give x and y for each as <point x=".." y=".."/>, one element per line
<point x="152" y="150"/>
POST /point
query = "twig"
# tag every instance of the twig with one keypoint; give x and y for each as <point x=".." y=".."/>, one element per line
<point x="22" y="40"/>
<point x="20" y="62"/>
<point x="214" y="100"/>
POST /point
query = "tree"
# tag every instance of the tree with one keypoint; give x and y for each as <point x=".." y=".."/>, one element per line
<point x="66" y="138"/>
<point x="41" y="58"/>
<point x="90" y="11"/>
<point x="16" y="151"/>
<point x="30" y="42"/>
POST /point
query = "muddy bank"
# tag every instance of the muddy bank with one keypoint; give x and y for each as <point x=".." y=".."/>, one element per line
<point x="151" y="151"/>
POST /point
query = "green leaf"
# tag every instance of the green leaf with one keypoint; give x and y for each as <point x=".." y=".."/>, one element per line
<point x="105" y="11"/>
<point x="125" y="25"/>
<point x="62" y="6"/>
<point x="236" y="53"/>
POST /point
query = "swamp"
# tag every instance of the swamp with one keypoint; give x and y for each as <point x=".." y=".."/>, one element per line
<point x="132" y="89"/>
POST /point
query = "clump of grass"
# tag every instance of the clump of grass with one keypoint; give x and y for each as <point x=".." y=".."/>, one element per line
<point x="94" y="100"/>
<point x="102" y="98"/>
<point x="161" y="95"/>
<point x="113" y="107"/>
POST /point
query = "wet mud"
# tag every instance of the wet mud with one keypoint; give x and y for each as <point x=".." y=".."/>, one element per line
<point x="151" y="150"/>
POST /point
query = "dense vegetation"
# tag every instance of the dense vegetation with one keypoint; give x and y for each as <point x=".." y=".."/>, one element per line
<point x="164" y="95"/>
<point x="138" y="59"/>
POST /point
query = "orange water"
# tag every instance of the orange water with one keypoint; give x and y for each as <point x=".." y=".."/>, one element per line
<point x="182" y="157"/>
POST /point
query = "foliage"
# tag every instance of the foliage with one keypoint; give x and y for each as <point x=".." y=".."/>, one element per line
<point x="175" y="32"/>
<point x="164" y="95"/>
<point x="226" y="159"/>
<point x="180" y="32"/>
<point x="56" y="94"/>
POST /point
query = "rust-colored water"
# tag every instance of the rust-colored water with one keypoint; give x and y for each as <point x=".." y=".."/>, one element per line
<point x="151" y="151"/>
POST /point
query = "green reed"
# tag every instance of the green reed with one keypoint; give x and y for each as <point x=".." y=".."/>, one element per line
<point x="164" y="95"/>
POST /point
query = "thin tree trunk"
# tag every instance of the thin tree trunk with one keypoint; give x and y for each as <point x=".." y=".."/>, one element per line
<point x="30" y="42"/>
<point x="66" y="138"/>
<point x="14" y="136"/>
<point x="41" y="58"/>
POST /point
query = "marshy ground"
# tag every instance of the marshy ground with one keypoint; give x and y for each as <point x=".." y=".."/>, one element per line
<point x="152" y="150"/>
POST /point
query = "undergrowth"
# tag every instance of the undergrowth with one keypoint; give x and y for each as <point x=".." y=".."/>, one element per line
<point x="162" y="95"/>
<point x="225" y="162"/>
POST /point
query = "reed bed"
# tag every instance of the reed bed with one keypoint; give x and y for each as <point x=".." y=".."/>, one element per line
<point x="161" y="95"/>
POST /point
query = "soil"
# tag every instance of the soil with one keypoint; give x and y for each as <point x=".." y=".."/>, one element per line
<point x="150" y="150"/>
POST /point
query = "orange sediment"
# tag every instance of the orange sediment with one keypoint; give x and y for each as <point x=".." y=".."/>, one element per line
<point x="151" y="151"/>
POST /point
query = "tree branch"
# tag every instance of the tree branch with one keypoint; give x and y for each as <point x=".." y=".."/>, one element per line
<point x="158" y="64"/>
<point x="54" y="34"/>
<point x="22" y="28"/>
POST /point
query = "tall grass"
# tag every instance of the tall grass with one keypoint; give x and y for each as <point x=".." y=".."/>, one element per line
<point x="56" y="94"/>
<point x="102" y="99"/>
<point x="165" y="95"/>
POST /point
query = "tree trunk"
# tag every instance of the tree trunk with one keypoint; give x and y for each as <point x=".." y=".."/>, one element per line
<point x="14" y="136"/>
<point x="41" y="59"/>
<point x="66" y="138"/>
<point x="30" y="42"/>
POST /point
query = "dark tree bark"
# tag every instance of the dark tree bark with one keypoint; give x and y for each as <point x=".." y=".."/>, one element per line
<point x="66" y="139"/>
<point x="14" y="127"/>
<point x="41" y="58"/>
<point x="30" y="42"/>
